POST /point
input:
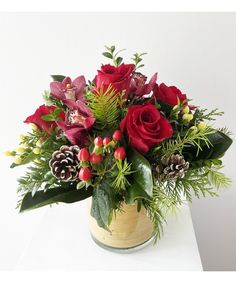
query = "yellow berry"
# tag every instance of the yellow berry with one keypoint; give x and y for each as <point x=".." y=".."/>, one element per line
<point x="20" y="150"/>
<point x="17" y="160"/>
<point x="185" y="110"/>
<point x="33" y="127"/>
<point x="36" y="150"/>
<point x="201" y="126"/>
<point x="37" y="161"/>
<point x="193" y="129"/>
<point x="21" y="137"/>
<point x="187" y="117"/>
<point x="8" y="153"/>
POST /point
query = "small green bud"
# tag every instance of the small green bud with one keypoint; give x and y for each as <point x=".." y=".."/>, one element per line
<point x="8" y="153"/>
<point x="18" y="160"/>
<point x="201" y="126"/>
<point x="36" y="150"/>
<point x="187" y="117"/>
<point x="20" y="150"/>
<point x="193" y="129"/>
<point x="185" y="110"/>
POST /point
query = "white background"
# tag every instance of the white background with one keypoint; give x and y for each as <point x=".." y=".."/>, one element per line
<point x="195" y="52"/>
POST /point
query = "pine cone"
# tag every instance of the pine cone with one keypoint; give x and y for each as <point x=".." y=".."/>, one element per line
<point x="173" y="167"/>
<point x="64" y="163"/>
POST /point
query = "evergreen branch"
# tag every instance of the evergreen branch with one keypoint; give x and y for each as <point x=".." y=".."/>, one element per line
<point x="211" y="116"/>
<point x="218" y="179"/>
<point x="225" y="131"/>
<point x="104" y="105"/>
<point x="191" y="138"/>
<point x="123" y="170"/>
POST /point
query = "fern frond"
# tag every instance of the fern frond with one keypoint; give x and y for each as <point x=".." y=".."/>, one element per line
<point x="217" y="178"/>
<point x="105" y="107"/>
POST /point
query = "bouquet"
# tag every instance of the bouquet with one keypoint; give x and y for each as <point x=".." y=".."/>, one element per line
<point x="120" y="138"/>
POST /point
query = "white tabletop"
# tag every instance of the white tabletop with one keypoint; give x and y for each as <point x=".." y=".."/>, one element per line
<point x="61" y="241"/>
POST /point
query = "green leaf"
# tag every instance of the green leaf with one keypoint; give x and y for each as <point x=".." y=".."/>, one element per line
<point x="107" y="54"/>
<point x="58" y="78"/>
<point x="48" y="117"/>
<point x="141" y="182"/>
<point x="220" y="143"/>
<point x="41" y="198"/>
<point x="26" y="158"/>
<point x="102" y="204"/>
<point x="118" y="60"/>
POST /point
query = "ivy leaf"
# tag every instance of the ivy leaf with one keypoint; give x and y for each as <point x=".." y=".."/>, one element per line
<point x="58" y="78"/>
<point x="102" y="204"/>
<point x="141" y="182"/>
<point x="59" y="194"/>
<point x="107" y="54"/>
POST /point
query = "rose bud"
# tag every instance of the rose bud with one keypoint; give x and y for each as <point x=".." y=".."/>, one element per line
<point x="98" y="142"/>
<point x="95" y="158"/>
<point x="83" y="154"/>
<point x="117" y="136"/>
<point x="120" y="153"/>
<point x="85" y="174"/>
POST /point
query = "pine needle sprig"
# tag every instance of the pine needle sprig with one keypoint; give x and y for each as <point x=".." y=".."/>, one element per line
<point x="211" y="116"/>
<point x="179" y="143"/>
<point x="120" y="171"/>
<point x="104" y="105"/>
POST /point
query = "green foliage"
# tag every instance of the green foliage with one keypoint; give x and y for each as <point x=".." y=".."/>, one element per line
<point x="217" y="178"/>
<point x="58" y="194"/>
<point x="53" y="116"/>
<point x="141" y="182"/>
<point x="58" y="78"/>
<point x="103" y="204"/>
<point x="120" y="171"/>
<point x="111" y="54"/>
<point x="218" y="144"/>
<point x="138" y="59"/>
<point x="177" y="145"/>
<point x="210" y="116"/>
<point x="105" y="107"/>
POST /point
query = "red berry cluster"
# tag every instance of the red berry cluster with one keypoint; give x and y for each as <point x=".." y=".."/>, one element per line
<point x="86" y="158"/>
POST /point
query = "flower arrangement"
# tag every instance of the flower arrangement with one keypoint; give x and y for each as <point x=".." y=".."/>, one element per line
<point x="120" y="139"/>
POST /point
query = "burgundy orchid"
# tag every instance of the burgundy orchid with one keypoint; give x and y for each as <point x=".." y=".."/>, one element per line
<point x="78" y="122"/>
<point x="68" y="89"/>
<point x="138" y="84"/>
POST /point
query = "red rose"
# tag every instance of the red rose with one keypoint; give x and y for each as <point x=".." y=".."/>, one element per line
<point x="169" y="94"/>
<point x="36" y="118"/>
<point x="119" y="77"/>
<point x="145" y="127"/>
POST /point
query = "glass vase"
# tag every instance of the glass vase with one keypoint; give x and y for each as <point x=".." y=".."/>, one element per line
<point x="130" y="230"/>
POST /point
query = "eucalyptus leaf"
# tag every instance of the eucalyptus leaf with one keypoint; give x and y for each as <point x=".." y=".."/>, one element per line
<point x="58" y="78"/>
<point x="107" y="54"/>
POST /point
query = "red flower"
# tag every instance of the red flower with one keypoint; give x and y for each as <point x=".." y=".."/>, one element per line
<point x="169" y="94"/>
<point x="119" y="77"/>
<point x="78" y="122"/>
<point x="43" y="125"/>
<point x="145" y="127"/>
<point x="138" y="84"/>
<point x="68" y="89"/>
